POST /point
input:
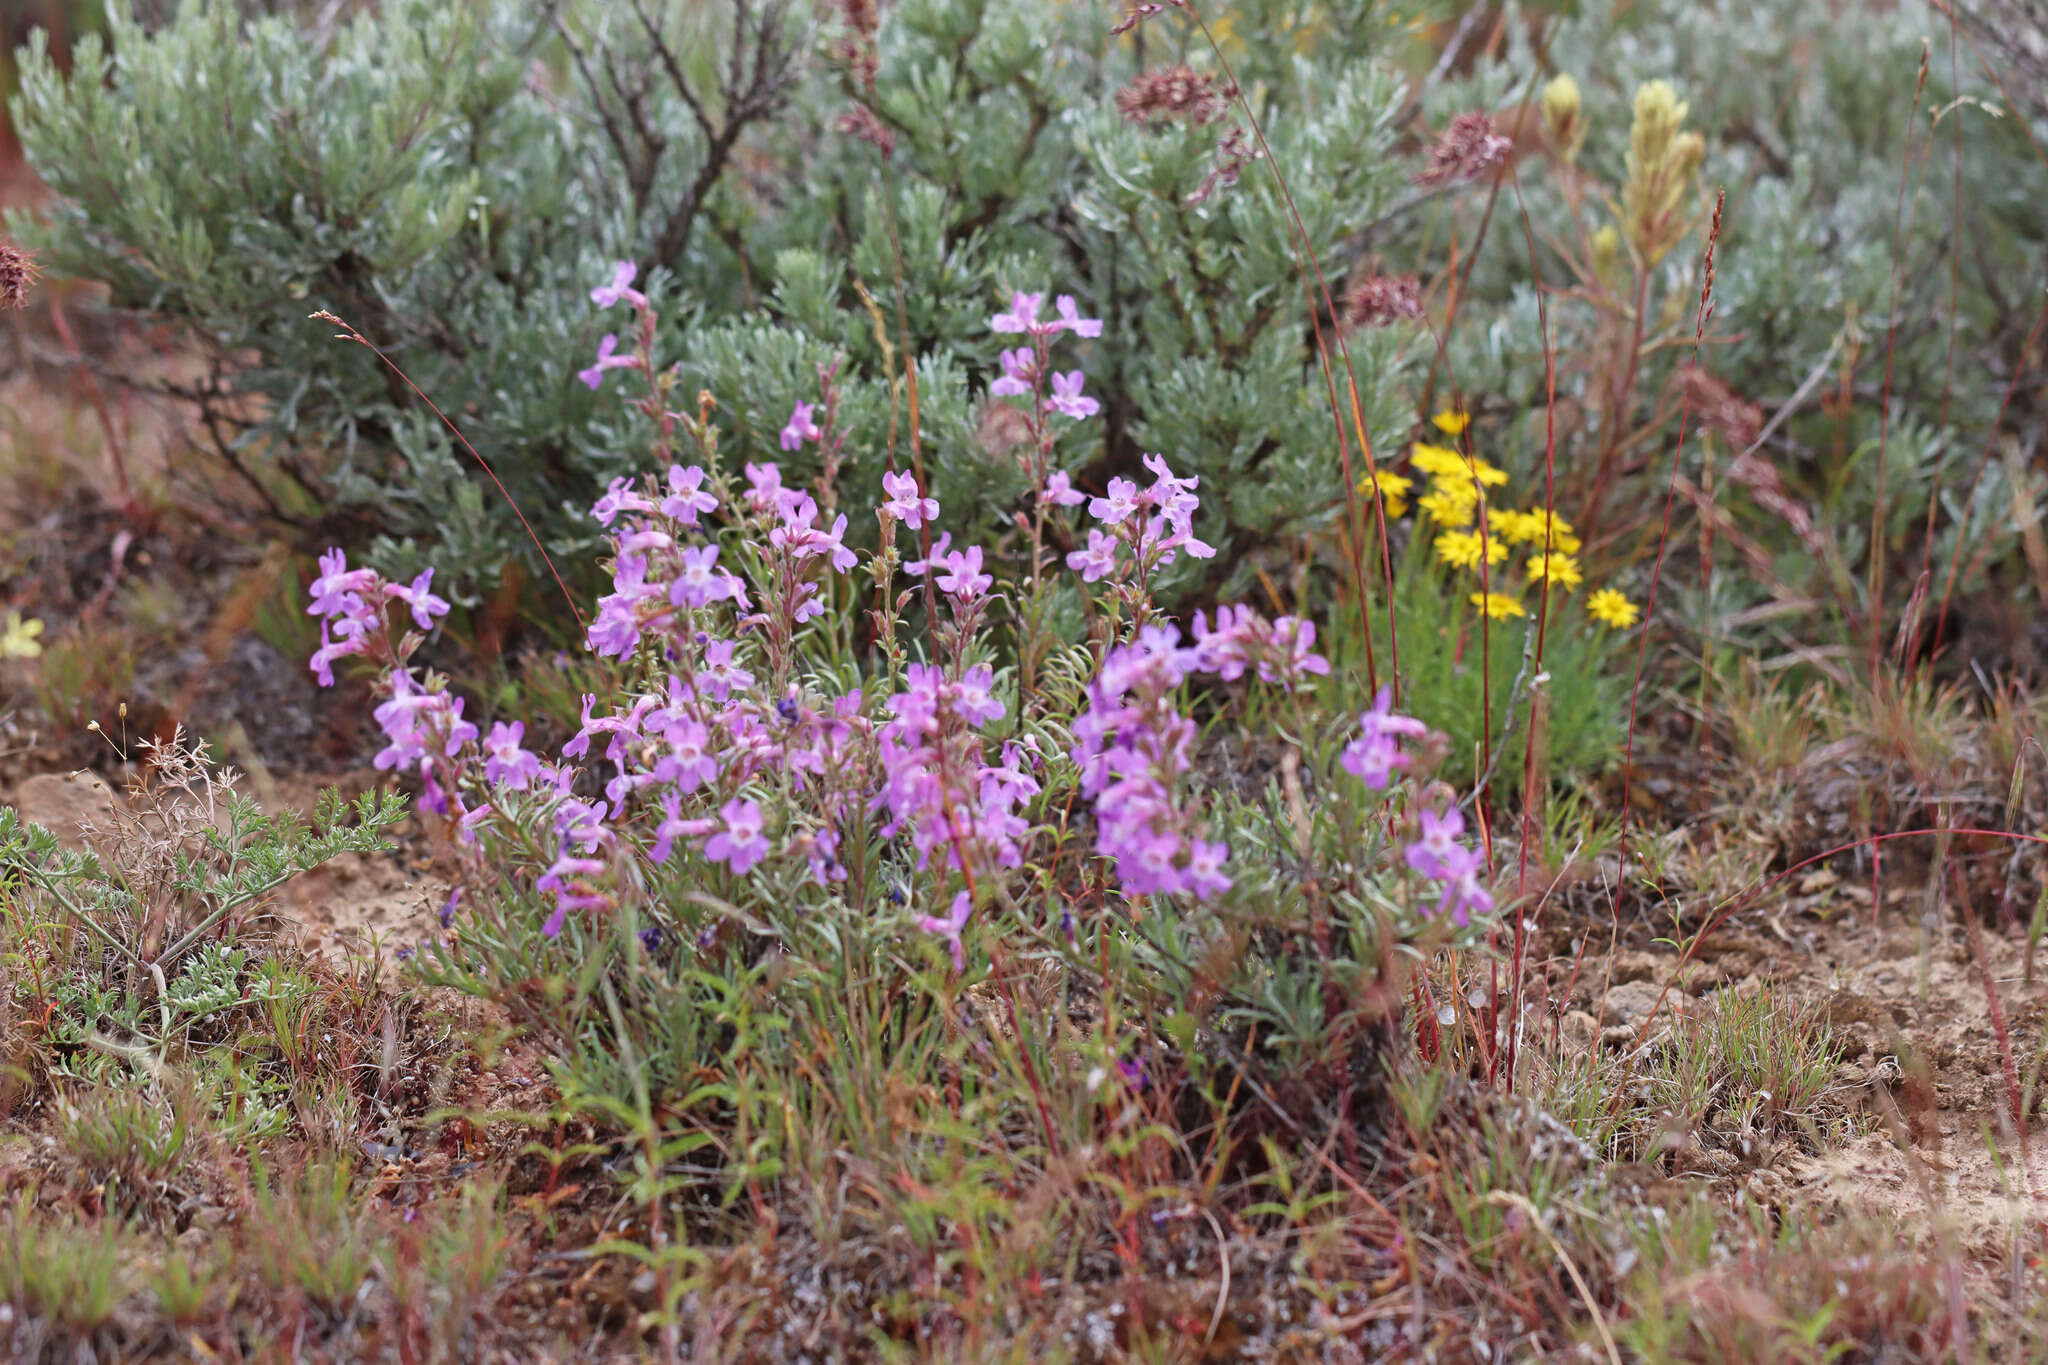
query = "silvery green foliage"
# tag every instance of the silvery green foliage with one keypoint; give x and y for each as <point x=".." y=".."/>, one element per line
<point x="453" y="179"/>
<point x="1804" y="118"/>
<point x="233" y="177"/>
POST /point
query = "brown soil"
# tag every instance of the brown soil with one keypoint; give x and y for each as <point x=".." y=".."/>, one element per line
<point x="1922" y="1065"/>
<point x="355" y="902"/>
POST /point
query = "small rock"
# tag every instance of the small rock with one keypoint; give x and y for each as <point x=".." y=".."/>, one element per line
<point x="1843" y="1007"/>
<point x="64" y="802"/>
<point x="1617" y="1035"/>
<point x="1628" y="966"/>
<point x="1857" y="1040"/>
<point x="1631" y="1002"/>
<point x="1578" y="1031"/>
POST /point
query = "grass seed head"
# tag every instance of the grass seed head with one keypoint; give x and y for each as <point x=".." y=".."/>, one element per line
<point x="17" y="274"/>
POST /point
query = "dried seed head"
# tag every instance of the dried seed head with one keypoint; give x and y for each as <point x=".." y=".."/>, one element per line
<point x="1177" y="92"/>
<point x="17" y="273"/>
<point x="1233" y="154"/>
<point x="1754" y="472"/>
<point x="1469" y="148"/>
<point x="1383" y="300"/>
<point x="862" y="16"/>
<point x="1720" y="409"/>
<point x="860" y="59"/>
<point x="1134" y="16"/>
<point x="861" y="123"/>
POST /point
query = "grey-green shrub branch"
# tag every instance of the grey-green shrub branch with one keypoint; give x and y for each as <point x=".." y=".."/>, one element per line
<point x="620" y="84"/>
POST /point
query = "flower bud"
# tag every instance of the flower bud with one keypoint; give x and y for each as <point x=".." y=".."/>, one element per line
<point x="1606" y="246"/>
<point x="1658" y="171"/>
<point x="1658" y="113"/>
<point x="1686" y="155"/>
<point x="1561" y="110"/>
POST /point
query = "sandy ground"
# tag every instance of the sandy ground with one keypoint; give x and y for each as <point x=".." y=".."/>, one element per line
<point x="381" y="903"/>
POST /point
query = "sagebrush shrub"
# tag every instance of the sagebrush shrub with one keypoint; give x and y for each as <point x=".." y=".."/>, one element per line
<point x="449" y="181"/>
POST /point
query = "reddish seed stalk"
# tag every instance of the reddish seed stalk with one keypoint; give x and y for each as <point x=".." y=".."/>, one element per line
<point x="1901" y="224"/>
<point x="1542" y="624"/>
<point x="1663" y="540"/>
<point x="349" y="333"/>
<point x="1309" y="263"/>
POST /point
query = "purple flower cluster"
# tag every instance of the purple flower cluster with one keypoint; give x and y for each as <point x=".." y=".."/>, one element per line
<point x="1280" y="652"/>
<point x="1134" y="746"/>
<point x="619" y="290"/>
<point x="936" y="783"/>
<point x="1022" y="317"/>
<point x="350" y="604"/>
<point x="422" y="722"/>
<point x="950" y="926"/>
<point x="1461" y="869"/>
<point x="728" y="748"/>
<point x="423" y="728"/>
<point x="1373" y="758"/>
<point x="1027" y="372"/>
<point x="656" y="576"/>
<point x="1147" y="528"/>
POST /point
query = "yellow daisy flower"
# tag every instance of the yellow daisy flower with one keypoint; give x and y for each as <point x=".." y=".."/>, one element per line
<point x="1451" y="422"/>
<point x="1439" y="462"/>
<point x="1449" y="507"/>
<point x="18" y="638"/>
<point x="1393" y="490"/>
<point x="1497" y="605"/>
<point x="1485" y="473"/>
<point x="1517" y="528"/>
<point x="1561" y="537"/>
<point x="1611" y="608"/>
<point x="1447" y="467"/>
<point x="1463" y="549"/>
<point x="1560" y="569"/>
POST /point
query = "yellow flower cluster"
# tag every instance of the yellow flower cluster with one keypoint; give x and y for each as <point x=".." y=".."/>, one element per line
<point x="18" y="638"/>
<point x="1456" y="503"/>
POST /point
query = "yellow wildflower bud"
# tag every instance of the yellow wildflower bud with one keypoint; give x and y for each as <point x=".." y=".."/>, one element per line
<point x="1658" y="114"/>
<point x="1561" y="117"/>
<point x="1392" y="488"/>
<point x="1561" y="570"/>
<point x="1439" y="462"/>
<point x="1517" y="528"/>
<point x="1658" y="171"/>
<point x="1606" y="246"/>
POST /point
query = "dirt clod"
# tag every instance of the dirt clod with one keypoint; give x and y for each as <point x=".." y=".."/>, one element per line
<point x="64" y="803"/>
